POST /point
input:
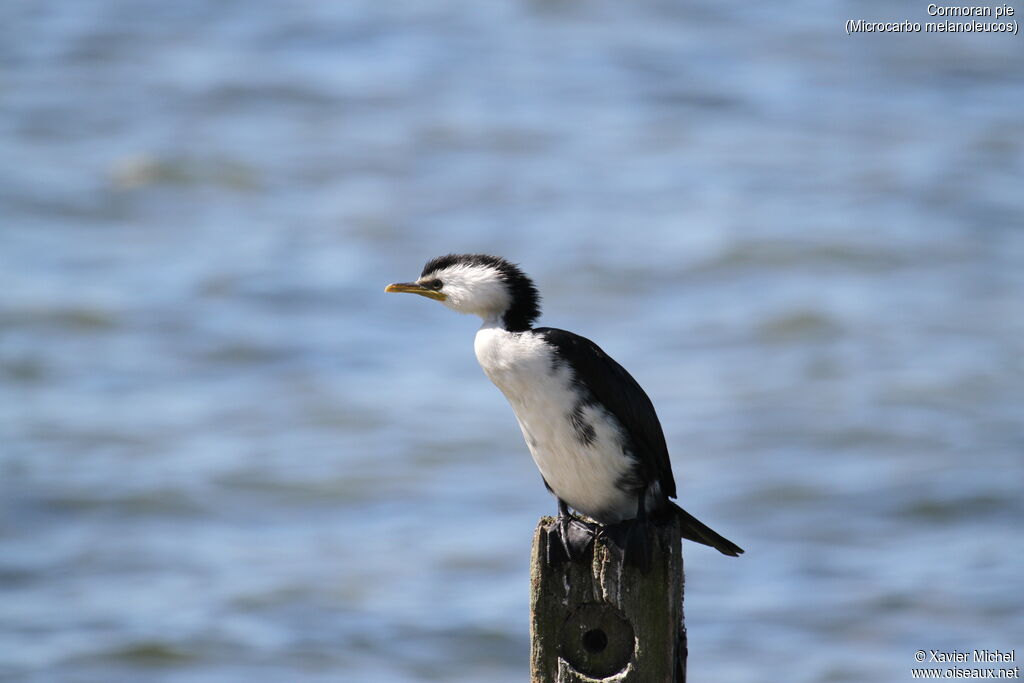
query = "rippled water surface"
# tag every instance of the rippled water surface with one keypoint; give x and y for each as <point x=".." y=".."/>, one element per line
<point x="225" y="455"/>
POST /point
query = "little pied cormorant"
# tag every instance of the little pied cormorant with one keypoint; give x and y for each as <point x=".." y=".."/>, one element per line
<point x="591" y="429"/>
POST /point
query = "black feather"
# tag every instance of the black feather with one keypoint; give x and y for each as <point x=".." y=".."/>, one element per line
<point x="604" y="382"/>
<point x="599" y="378"/>
<point x="599" y="381"/>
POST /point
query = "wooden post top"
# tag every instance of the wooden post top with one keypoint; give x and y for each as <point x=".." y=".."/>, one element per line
<point x="597" y="621"/>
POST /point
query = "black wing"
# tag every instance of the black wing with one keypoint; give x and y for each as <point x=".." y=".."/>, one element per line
<point x="610" y="385"/>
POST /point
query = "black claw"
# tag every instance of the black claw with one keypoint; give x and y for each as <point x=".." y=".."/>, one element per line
<point x="563" y="535"/>
<point x="581" y="537"/>
<point x="569" y="538"/>
<point x="637" y="550"/>
<point x="631" y="539"/>
<point x="556" y="551"/>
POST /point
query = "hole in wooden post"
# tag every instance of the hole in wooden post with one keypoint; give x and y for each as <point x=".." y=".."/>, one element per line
<point x="595" y="640"/>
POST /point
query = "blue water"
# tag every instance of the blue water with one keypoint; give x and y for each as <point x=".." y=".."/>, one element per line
<point x="226" y="455"/>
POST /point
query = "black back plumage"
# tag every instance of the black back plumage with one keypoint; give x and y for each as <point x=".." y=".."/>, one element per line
<point x="600" y="380"/>
<point x="525" y="308"/>
<point x="604" y="381"/>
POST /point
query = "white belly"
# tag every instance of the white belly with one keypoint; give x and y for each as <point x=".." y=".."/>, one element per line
<point x="585" y="473"/>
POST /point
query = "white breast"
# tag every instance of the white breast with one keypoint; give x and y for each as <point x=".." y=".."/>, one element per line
<point x="541" y="391"/>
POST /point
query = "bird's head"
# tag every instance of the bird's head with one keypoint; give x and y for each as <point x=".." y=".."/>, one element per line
<point x="487" y="286"/>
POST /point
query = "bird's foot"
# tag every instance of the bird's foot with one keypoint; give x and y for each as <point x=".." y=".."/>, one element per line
<point x="568" y="539"/>
<point x="637" y="552"/>
<point x="632" y="539"/>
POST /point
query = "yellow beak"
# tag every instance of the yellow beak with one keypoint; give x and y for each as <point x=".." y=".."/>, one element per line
<point x="413" y="288"/>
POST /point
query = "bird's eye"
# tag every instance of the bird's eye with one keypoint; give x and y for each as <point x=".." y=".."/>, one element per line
<point x="434" y="284"/>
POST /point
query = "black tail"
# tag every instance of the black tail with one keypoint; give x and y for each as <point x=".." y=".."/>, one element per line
<point x="696" y="530"/>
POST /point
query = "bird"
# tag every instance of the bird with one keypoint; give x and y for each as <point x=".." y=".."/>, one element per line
<point x="592" y="430"/>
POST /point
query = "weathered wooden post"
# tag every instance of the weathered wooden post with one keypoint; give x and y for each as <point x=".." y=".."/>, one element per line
<point x="597" y="621"/>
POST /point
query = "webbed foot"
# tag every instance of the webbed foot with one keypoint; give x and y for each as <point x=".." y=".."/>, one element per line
<point x="631" y="538"/>
<point x="569" y="538"/>
<point x="637" y="549"/>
